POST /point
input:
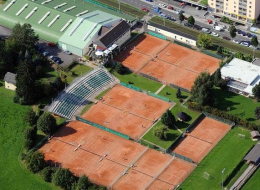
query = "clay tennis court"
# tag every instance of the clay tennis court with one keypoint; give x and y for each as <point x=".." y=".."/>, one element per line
<point x="176" y="172"/>
<point x="189" y="59"/>
<point x="109" y="160"/>
<point x="197" y="144"/>
<point x="210" y="130"/>
<point x="141" y="51"/>
<point x="127" y="111"/>
<point x="169" y="73"/>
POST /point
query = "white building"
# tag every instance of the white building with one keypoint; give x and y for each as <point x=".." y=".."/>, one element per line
<point x="242" y="76"/>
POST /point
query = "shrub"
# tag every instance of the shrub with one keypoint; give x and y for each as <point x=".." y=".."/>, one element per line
<point x="63" y="178"/>
<point x="35" y="161"/>
<point x="46" y="123"/>
<point x="46" y="173"/>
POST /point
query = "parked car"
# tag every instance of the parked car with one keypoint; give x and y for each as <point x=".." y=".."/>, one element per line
<point x="180" y="11"/>
<point x="226" y="38"/>
<point x="198" y="8"/>
<point x="51" y="44"/>
<point x="170" y="7"/>
<point x="236" y="41"/>
<point x="163" y="15"/>
<point x="187" y="24"/>
<point x="45" y="53"/>
<point x="149" y="0"/>
<point x="171" y="18"/>
<point x="145" y="9"/>
<point x="243" y="33"/>
<point x="206" y="30"/>
<point x="214" y="34"/>
<point x="238" y="31"/>
<point x="58" y="61"/>
<point x="245" y="44"/>
<point x="162" y="5"/>
<point x="249" y="35"/>
<point x="67" y="52"/>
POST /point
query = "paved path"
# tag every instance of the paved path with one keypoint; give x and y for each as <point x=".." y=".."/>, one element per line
<point x="160" y="89"/>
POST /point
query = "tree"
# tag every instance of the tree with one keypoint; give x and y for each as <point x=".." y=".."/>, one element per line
<point x="25" y="81"/>
<point x="217" y="77"/>
<point x="248" y="58"/>
<point x="191" y="20"/>
<point x="5" y="59"/>
<point x="178" y="93"/>
<point x="254" y="41"/>
<point x="30" y="135"/>
<point x="83" y="183"/>
<point x="233" y="31"/>
<point x="220" y="50"/>
<point x="239" y="55"/>
<point x="256" y="91"/>
<point x="46" y="173"/>
<point x="257" y="112"/>
<point x="121" y="69"/>
<point x="30" y="117"/>
<point x="22" y="38"/>
<point x="46" y="123"/>
<point x="35" y="161"/>
<point x="63" y="178"/>
<point x="181" y="17"/>
<point x="204" y="41"/>
<point x="39" y="71"/>
<point x="59" y="84"/>
<point x="201" y="89"/>
<point x="161" y="132"/>
<point x="168" y="118"/>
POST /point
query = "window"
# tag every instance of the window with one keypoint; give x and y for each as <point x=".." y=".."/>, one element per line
<point x="249" y="6"/>
<point x="249" y="15"/>
<point x="235" y="7"/>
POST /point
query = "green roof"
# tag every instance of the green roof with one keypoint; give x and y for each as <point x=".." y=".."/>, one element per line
<point x="81" y="31"/>
<point x="9" y="18"/>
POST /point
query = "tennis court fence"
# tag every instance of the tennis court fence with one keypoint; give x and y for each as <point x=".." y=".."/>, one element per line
<point x="226" y="121"/>
<point x="130" y="86"/>
<point x="212" y="54"/>
<point x="182" y="44"/>
<point x="182" y="89"/>
<point x="102" y="127"/>
<point x="195" y="123"/>
<point x="149" y="77"/>
<point x="182" y="157"/>
<point x="157" y="35"/>
<point x="103" y="5"/>
<point x="159" y="97"/>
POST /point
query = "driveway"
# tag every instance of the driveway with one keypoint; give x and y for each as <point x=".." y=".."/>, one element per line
<point x="55" y="51"/>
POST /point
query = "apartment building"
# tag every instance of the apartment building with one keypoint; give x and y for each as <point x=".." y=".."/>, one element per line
<point x="243" y="11"/>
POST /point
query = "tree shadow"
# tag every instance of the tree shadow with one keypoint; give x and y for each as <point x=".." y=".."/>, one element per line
<point x="171" y="137"/>
<point x="182" y="124"/>
<point x="251" y="119"/>
<point x="67" y="130"/>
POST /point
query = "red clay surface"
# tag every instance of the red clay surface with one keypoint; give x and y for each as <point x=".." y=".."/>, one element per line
<point x="189" y="59"/>
<point x="169" y="73"/>
<point x="132" y="181"/>
<point x="126" y="111"/>
<point x="127" y="165"/>
<point x="202" y="139"/>
<point x="210" y="130"/>
<point x="141" y="51"/>
<point x="176" y="172"/>
<point x="152" y="162"/>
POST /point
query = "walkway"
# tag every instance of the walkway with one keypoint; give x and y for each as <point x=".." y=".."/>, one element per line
<point x="160" y="89"/>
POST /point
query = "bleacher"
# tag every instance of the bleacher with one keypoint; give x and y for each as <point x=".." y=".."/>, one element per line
<point x="76" y="93"/>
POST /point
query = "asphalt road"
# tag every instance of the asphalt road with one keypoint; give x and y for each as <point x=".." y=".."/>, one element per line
<point x="188" y="10"/>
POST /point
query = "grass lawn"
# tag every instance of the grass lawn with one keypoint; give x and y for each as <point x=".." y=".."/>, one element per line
<point x="172" y="94"/>
<point x="86" y="108"/>
<point x="253" y="183"/>
<point x="77" y="71"/>
<point x="102" y="93"/>
<point x="239" y="105"/>
<point x="226" y="154"/>
<point x="173" y="133"/>
<point x="138" y="81"/>
<point x="239" y="171"/>
<point x="13" y="175"/>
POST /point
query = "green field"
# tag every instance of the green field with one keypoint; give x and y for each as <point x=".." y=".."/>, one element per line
<point x="172" y="94"/>
<point x="239" y="105"/>
<point x="138" y="81"/>
<point x="13" y="175"/>
<point x="238" y="172"/>
<point x="102" y="93"/>
<point x="173" y="133"/>
<point x="226" y="154"/>
<point x="253" y="183"/>
<point x="77" y="71"/>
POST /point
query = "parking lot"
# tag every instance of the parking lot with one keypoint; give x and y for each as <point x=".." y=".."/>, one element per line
<point x="55" y="51"/>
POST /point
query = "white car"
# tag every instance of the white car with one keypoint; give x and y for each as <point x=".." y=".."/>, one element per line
<point x="236" y="41"/>
<point x="214" y="34"/>
<point x="162" y="5"/>
<point x="245" y="44"/>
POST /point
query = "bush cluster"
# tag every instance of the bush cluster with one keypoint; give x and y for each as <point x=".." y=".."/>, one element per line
<point x="224" y="115"/>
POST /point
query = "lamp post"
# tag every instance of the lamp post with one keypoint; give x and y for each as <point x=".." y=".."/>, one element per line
<point x="222" y="183"/>
<point x="254" y="52"/>
<point x="119" y="6"/>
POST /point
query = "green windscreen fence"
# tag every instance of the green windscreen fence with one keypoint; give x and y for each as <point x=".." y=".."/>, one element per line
<point x="226" y="121"/>
<point x="212" y="54"/>
<point x="102" y="5"/>
<point x="159" y="97"/>
<point x="102" y="127"/>
<point x="130" y="86"/>
<point x="157" y="35"/>
<point x="182" y="157"/>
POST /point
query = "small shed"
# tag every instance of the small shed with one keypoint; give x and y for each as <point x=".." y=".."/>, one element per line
<point x="254" y="155"/>
<point x="10" y="81"/>
<point x="255" y="135"/>
<point x="182" y="116"/>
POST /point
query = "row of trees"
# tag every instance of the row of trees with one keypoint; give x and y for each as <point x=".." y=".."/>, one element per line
<point x="61" y="177"/>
